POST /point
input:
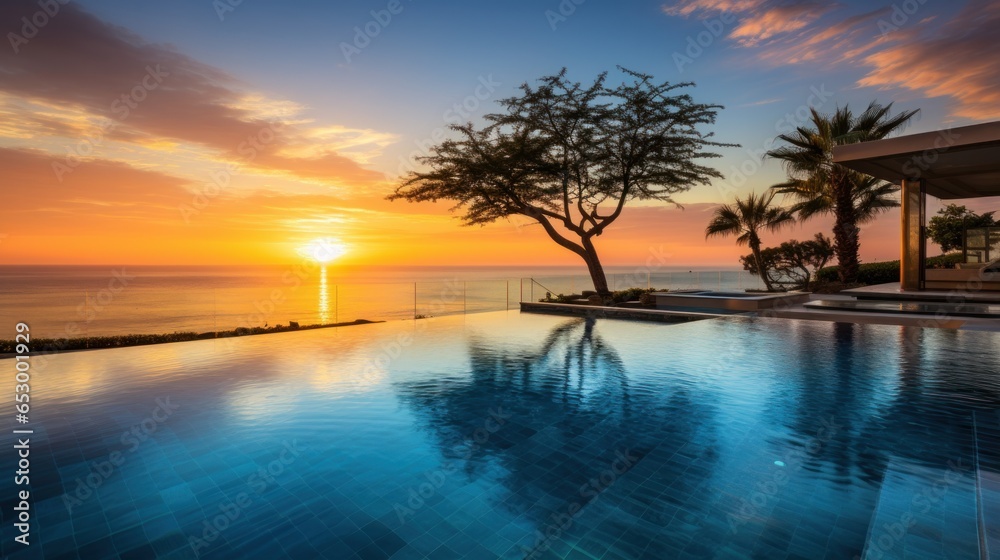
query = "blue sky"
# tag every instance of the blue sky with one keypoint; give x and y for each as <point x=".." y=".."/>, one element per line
<point x="431" y="56"/>
<point x="355" y="119"/>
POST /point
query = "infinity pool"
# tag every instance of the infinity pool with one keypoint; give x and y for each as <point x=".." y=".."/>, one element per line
<point x="507" y="435"/>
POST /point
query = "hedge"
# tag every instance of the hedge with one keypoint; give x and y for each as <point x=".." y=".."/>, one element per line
<point x="888" y="271"/>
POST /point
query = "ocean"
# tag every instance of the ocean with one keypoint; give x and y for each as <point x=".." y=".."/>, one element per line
<point x="76" y="301"/>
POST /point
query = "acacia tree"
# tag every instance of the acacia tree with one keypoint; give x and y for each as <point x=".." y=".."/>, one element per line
<point x="571" y="157"/>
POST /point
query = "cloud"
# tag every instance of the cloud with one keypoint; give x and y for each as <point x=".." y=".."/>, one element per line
<point x="832" y="42"/>
<point x="108" y="211"/>
<point x="763" y="102"/>
<point x="770" y="20"/>
<point x="99" y="211"/>
<point x="689" y="7"/>
<point x="918" y="51"/>
<point x="957" y="61"/>
<point x="152" y="93"/>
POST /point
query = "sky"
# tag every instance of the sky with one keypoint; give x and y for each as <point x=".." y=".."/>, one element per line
<point x="243" y="131"/>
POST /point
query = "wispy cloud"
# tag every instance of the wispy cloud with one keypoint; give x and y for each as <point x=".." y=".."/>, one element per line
<point x="689" y="7"/>
<point x="94" y="71"/>
<point x="763" y="102"/>
<point x="896" y="50"/>
<point x="957" y="59"/>
<point x="770" y="20"/>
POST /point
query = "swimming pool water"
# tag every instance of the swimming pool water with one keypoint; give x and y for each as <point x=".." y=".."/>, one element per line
<point x="507" y="435"/>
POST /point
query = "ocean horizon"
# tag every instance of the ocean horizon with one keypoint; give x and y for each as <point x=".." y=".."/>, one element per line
<point x="69" y="301"/>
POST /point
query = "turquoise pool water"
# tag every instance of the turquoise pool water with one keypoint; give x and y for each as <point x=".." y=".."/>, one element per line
<point x="507" y="435"/>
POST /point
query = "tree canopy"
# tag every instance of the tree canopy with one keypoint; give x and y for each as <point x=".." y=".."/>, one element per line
<point x="571" y="157"/>
<point x="792" y="264"/>
<point x="822" y="186"/>
<point x="746" y="219"/>
<point x="947" y="229"/>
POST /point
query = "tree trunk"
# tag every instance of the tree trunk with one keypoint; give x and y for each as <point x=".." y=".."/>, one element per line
<point x="755" y="247"/>
<point x="596" y="270"/>
<point x="845" y="233"/>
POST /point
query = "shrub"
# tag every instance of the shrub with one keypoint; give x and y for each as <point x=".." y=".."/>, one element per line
<point x="792" y="264"/>
<point x="621" y="296"/>
<point x="888" y="271"/>
<point x="630" y="294"/>
<point x="559" y="298"/>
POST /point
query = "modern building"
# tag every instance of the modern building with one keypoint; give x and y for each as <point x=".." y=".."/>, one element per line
<point x="954" y="163"/>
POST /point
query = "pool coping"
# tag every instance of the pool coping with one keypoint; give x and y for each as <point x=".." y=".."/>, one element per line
<point x="729" y="301"/>
<point x="602" y="312"/>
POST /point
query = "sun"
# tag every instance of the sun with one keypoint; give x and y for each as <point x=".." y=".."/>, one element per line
<point x="323" y="249"/>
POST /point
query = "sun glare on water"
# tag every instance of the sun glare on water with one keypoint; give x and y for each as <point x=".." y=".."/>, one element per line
<point x="323" y="250"/>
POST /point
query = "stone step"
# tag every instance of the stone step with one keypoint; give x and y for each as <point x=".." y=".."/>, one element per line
<point x="987" y="431"/>
<point x="925" y="511"/>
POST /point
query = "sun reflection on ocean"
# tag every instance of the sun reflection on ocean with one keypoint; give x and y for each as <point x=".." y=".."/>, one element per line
<point x="324" y="298"/>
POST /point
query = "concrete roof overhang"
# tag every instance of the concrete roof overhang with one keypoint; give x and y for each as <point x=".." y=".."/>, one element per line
<point x="961" y="162"/>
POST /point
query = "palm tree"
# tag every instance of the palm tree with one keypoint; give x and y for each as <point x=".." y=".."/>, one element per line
<point x="746" y="219"/>
<point x="824" y="187"/>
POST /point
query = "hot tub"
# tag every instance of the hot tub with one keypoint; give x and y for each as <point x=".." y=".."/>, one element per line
<point x="731" y="301"/>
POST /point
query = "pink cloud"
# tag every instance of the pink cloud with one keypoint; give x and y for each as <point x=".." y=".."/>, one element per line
<point x="957" y="61"/>
<point x="152" y="91"/>
<point x="771" y="21"/>
<point x="915" y="51"/>
<point x="689" y="7"/>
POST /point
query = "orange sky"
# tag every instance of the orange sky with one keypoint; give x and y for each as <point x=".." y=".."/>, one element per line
<point x="106" y="212"/>
<point x="116" y="149"/>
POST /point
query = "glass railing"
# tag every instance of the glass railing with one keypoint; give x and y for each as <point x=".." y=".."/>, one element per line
<point x="204" y="305"/>
<point x="538" y="287"/>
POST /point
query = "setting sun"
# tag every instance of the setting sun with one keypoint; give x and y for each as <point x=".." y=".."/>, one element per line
<point x="323" y="249"/>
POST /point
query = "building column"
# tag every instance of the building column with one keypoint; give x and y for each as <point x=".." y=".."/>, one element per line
<point x="912" y="252"/>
